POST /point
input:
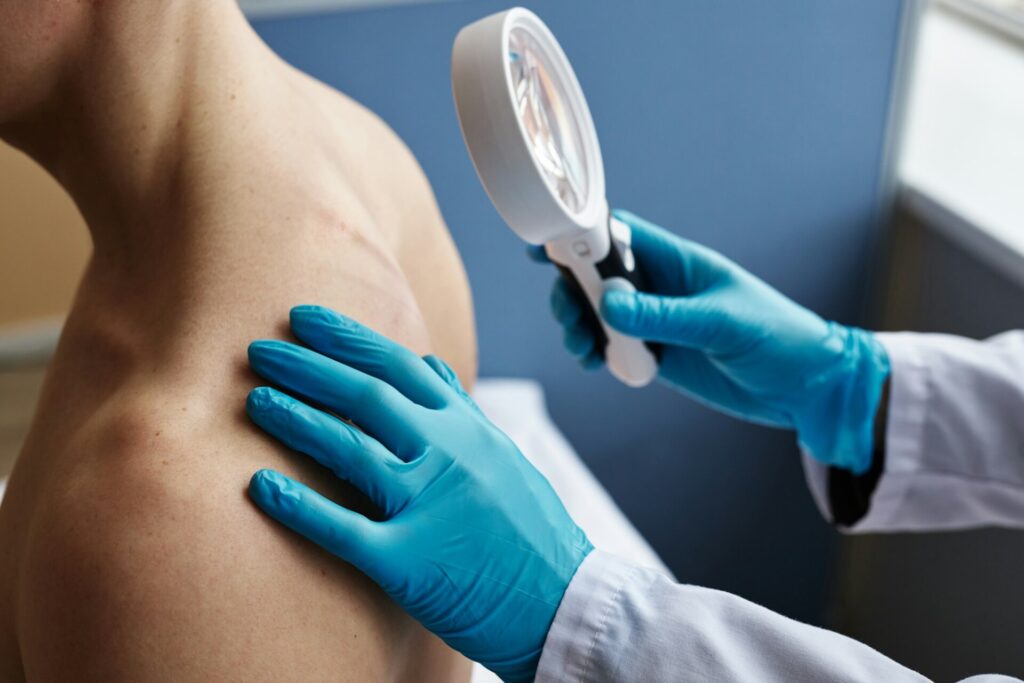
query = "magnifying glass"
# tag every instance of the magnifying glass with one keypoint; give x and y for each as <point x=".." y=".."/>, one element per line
<point x="534" y="146"/>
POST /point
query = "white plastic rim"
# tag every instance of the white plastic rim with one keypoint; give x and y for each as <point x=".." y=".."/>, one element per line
<point x="519" y="185"/>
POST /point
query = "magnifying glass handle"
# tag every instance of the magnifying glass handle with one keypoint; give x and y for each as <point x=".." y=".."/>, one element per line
<point x="597" y="261"/>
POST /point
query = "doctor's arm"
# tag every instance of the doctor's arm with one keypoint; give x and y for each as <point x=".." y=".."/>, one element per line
<point x="899" y="431"/>
<point x="953" y="449"/>
<point x="623" y="623"/>
<point x="474" y="543"/>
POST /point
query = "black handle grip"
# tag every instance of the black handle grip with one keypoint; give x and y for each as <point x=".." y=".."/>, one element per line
<point x="613" y="265"/>
<point x="590" y="319"/>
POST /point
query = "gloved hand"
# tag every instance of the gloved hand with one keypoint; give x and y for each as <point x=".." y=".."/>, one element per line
<point x="733" y="342"/>
<point x="474" y="542"/>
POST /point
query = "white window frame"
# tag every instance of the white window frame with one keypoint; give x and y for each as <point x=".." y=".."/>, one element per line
<point x="988" y="16"/>
<point x="266" y="9"/>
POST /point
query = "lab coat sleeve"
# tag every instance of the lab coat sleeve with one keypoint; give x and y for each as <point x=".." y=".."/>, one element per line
<point x="954" y="445"/>
<point x="619" y="622"/>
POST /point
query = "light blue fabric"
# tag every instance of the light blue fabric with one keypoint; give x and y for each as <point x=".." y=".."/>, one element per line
<point x="472" y="541"/>
<point x="735" y="343"/>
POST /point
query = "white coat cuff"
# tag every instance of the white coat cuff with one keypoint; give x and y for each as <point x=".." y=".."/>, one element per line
<point x="909" y="388"/>
<point x="910" y="391"/>
<point x="590" y="603"/>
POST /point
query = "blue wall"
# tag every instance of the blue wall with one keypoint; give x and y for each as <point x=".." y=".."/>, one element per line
<point x="754" y="127"/>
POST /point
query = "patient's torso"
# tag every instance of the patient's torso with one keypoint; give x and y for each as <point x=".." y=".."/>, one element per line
<point x="130" y="551"/>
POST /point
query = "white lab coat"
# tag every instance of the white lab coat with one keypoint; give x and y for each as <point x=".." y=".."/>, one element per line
<point x="954" y="459"/>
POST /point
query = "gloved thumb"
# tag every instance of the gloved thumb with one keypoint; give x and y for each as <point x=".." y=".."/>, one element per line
<point x="679" y="321"/>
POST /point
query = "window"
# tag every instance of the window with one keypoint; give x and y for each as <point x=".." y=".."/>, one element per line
<point x="963" y="142"/>
<point x="1005" y="16"/>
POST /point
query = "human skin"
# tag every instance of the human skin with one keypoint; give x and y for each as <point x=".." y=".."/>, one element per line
<point x="221" y="187"/>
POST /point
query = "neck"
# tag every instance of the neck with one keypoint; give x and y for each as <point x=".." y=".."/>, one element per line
<point x="159" y="92"/>
<point x="202" y="166"/>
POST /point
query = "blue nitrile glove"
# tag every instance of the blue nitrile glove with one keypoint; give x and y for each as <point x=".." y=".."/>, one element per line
<point x="474" y="543"/>
<point x="733" y="342"/>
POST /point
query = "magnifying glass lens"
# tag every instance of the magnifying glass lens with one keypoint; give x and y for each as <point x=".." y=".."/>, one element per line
<point x="552" y="133"/>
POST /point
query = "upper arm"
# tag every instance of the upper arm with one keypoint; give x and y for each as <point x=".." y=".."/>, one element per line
<point x="165" y="571"/>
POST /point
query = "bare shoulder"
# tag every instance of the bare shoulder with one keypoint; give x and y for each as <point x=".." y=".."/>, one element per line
<point x="397" y="192"/>
<point x="147" y="562"/>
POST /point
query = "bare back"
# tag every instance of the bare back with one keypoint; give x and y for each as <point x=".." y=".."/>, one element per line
<point x="131" y="551"/>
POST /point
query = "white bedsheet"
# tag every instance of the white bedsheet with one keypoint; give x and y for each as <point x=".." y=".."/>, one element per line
<point x="517" y="407"/>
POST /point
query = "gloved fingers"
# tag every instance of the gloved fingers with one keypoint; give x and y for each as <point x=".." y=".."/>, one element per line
<point x="378" y="408"/>
<point x="350" y="454"/>
<point x="537" y="253"/>
<point x="567" y="307"/>
<point x="672" y="265"/>
<point x="579" y="340"/>
<point x="445" y="372"/>
<point x="342" y="532"/>
<point x="566" y="302"/>
<point x="680" y="321"/>
<point x="592" y="361"/>
<point x="343" y="339"/>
